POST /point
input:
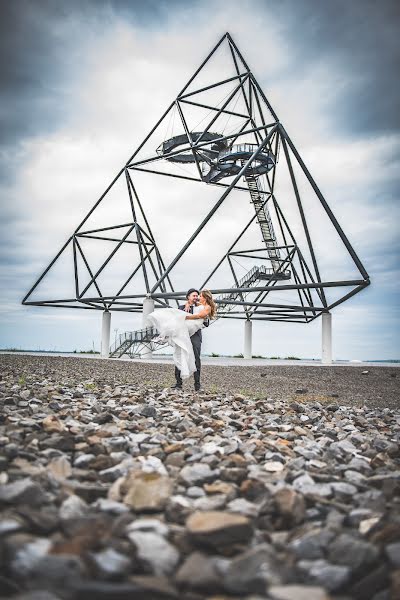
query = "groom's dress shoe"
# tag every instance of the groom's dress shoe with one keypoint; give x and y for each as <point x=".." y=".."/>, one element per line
<point x="198" y="388"/>
<point x="177" y="386"/>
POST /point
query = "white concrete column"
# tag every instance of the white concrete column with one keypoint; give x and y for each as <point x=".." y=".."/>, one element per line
<point x="247" y="339"/>
<point x="148" y="307"/>
<point x="105" y="334"/>
<point x="326" y="358"/>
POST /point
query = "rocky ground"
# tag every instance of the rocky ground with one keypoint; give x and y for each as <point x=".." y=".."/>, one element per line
<point x="113" y="488"/>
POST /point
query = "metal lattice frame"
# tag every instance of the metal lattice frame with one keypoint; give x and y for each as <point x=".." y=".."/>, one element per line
<point x="248" y="299"/>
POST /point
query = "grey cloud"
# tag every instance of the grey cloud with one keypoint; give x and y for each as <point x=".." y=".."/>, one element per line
<point x="39" y="54"/>
<point x="361" y="38"/>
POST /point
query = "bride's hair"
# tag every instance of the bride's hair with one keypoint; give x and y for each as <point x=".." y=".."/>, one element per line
<point x="207" y="295"/>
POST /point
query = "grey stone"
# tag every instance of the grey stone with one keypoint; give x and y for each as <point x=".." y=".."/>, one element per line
<point x="148" y="411"/>
<point x="392" y="551"/>
<point x="343" y="448"/>
<point x="306" y="485"/>
<point x="343" y="489"/>
<point x="57" y="571"/>
<point x="197" y="474"/>
<point x="178" y="508"/>
<point x="83" y="460"/>
<point x="195" y="492"/>
<point x="253" y="571"/>
<point x="373" y="581"/>
<point x="331" y="577"/>
<point x="349" y="551"/>
<point x="200" y="572"/>
<point x="303" y="482"/>
<point x="354" y="477"/>
<point x="23" y="491"/>
<point x="357" y="515"/>
<point x="312" y="545"/>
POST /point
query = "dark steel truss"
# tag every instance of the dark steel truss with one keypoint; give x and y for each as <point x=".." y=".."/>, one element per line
<point x="254" y="153"/>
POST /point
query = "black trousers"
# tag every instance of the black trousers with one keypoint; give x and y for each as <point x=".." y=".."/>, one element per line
<point x="196" y="344"/>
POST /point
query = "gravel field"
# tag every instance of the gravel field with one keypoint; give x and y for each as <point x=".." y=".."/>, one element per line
<point x="276" y="483"/>
<point x="350" y="385"/>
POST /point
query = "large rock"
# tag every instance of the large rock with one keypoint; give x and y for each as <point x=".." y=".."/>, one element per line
<point x="57" y="572"/>
<point x="199" y="571"/>
<point x="352" y="552"/>
<point x="290" y="507"/>
<point x="219" y="529"/>
<point x="253" y="571"/>
<point x="312" y="545"/>
<point x="52" y="424"/>
<point x="148" y="492"/>
<point x="331" y="577"/>
<point x="22" y="491"/>
<point x="60" y="468"/>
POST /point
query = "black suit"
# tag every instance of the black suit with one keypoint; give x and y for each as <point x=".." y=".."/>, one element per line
<point x="196" y="340"/>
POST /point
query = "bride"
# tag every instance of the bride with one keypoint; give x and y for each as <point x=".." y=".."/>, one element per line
<point x="176" y="326"/>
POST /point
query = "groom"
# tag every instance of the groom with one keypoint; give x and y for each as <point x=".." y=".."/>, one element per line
<point x="192" y="298"/>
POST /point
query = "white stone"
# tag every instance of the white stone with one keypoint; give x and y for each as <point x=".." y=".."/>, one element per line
<point x="112" y="563"/>
<point x="212" y="448"/>
<point x="73" y="508"/>
<point x="155" y="550"/>
<point x="152" y="464"/>
<point x="243" y="507"/>
<point x="274" y="466"/>
<point x="148" y="525"/>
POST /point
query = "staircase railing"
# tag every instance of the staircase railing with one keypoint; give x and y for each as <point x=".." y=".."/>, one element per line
<point x="128" y="338"/>
<point x="264" y="220"/>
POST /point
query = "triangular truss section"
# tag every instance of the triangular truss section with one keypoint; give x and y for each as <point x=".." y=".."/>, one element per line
<point x="221" y="131"/>
<point x="112" y="254"/>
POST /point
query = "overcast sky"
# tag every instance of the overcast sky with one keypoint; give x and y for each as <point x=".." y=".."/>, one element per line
<point x="83" y="82"/>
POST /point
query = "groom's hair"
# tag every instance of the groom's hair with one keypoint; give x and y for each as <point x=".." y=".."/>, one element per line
<point x="190" y="291"/>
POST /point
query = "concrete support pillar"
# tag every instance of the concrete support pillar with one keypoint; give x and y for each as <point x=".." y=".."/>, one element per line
<point x="148" y="307"/>
<point x="247" y="339"/>
<point x="105" y="334"/>
<point x="326" y="338"/>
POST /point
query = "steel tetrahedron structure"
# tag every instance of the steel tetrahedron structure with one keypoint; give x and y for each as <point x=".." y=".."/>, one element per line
<point x="220" y="131"/>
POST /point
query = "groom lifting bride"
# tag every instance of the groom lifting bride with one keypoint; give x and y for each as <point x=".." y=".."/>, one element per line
<point x="182" y="329"/>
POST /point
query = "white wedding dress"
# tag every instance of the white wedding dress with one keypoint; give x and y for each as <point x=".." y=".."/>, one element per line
<point x="171" y="324"/>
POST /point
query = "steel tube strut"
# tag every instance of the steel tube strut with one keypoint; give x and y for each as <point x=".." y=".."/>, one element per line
<point x="325" y="205"/>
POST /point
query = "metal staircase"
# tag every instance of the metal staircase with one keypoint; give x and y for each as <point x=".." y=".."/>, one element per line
<point x="131" y="342"/>
<point x="264" y="219"/>
<point x="250" y="279"/>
